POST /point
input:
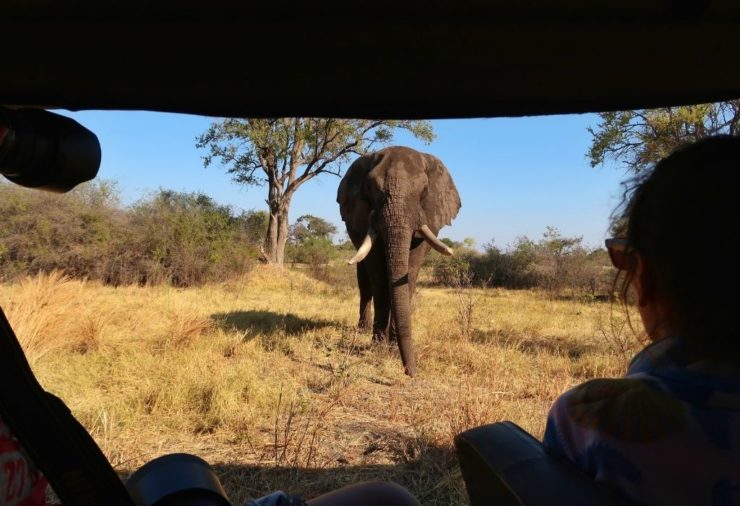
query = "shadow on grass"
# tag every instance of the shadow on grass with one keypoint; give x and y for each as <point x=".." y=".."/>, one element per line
<point x="584" y="298"/>
<point x="534" y="345"/>
<point x="253" y="323"/>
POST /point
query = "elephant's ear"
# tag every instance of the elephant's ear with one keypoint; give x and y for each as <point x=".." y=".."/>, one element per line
<point x="442" y="201"/>
<point x="351" y="187"/>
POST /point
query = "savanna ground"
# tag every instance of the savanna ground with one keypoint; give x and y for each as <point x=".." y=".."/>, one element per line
<point x="268" y="380"/>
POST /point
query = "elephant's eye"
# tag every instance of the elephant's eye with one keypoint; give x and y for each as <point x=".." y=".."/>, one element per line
<point x="373" y="187"/>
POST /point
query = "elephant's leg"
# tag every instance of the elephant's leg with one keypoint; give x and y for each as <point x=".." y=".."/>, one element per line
<point x="366" y="295"/>
<point x="377" y="274"/>
<point x="382" y="321"/>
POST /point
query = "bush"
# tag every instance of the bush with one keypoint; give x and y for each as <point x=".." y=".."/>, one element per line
<point x="182" y="238"/>
<point x="45" y="232"/>
<point x="563" y="263"/>
<point x="188" y="239"/>
<point x="311" y="242"/>
<point x="510" y="269"/>
<point x="314" y="251"/>
<point x="554" y="263"/>
<point x="179" y="238"/>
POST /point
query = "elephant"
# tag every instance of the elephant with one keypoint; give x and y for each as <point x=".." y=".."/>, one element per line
<point x="393" y="203"/>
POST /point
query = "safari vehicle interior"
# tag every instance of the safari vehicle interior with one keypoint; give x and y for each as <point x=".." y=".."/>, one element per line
<point x="414" y="59"/>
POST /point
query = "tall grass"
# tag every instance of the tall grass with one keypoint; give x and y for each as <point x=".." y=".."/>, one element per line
<point x="267" y="378"/>
<point x="50" y="312"/>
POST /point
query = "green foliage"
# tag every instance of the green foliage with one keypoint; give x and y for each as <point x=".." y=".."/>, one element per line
<point x="254" y="225"/>
<point x="563" y="263"/>
<point x="188" y="239"/>
<point x="172" y="237"/>
<point x="254" y="150"/>
<point x="513" y="268"/>
<point x="311" y="241"/>
<point x="640" y="138"/>
<point x="451" y="271"/>
<point x="554" y="263"/>
<point x="313" y="251"/>
<point x="43" y="231"/>
<point x="309" y="226"/>
<point x="184" y="239"/>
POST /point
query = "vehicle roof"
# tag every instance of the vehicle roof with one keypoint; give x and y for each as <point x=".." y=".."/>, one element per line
<point x="410" y="59"/>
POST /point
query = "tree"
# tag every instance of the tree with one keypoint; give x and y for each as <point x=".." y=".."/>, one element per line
<point x="285" y="153"/>
<point x="311" y="241"/>
<point x="558" y="246"/>
<point x="640" y="138"/>
<point x="309" y="226"/>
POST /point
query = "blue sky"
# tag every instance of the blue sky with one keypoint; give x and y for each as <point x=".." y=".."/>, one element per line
<point x="515" y="175"/>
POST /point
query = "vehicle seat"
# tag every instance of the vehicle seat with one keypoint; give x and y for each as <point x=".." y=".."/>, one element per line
<point x="503" y="465"/>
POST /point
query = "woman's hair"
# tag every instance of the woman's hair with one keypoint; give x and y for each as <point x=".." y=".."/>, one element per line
<point x="683" y="218"/>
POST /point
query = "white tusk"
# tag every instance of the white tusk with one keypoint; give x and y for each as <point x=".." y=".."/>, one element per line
<point x="364" y="248"/>
<point x="434" y="242"/>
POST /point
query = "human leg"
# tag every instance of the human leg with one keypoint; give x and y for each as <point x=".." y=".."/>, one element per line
<point x="372" y="493"/>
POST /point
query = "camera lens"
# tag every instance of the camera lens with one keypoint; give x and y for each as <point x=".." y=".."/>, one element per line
<point x="178" y="479"/>
<point x="41" y="149"/>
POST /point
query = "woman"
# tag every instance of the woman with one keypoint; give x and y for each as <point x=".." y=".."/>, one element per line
<point x="669" y="432"/>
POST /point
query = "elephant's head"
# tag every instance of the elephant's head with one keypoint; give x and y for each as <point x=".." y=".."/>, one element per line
<point x="389" y="197"/>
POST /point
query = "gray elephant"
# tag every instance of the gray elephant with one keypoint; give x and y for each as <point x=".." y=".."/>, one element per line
<point x="394" y="202"/>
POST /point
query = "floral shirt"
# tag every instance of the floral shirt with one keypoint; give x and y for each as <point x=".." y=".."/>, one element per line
<point x="21" y="484"/>
<point x="667" y="433"/>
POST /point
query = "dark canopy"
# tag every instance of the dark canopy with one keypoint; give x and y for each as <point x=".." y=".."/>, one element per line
<point x="389" y="58"/>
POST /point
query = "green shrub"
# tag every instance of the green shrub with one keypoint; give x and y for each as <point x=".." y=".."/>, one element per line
<point x="43" y="232"/>
<point x="179" y="238"/>
<point x="310" y="242"/>
<point x="184" y="239"/>
<point x="188" y="239"/>
<point x="554" y="263"/>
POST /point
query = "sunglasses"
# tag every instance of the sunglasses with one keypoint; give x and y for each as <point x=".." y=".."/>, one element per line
<point x="621" y="256"/>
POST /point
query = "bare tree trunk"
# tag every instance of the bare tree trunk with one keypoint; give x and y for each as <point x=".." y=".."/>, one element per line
<point x="271" y="239"/>
<point x="277" y="229"/>
<point x="273" y="226"/>
<point x="282" y="237"/>
<point x="282" y="222"/>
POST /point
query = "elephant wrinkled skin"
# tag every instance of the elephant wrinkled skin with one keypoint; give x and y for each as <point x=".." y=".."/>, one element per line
<point x="394" y="202"/>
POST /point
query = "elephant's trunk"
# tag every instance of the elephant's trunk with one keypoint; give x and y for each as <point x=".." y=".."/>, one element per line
<point x="398" y="240"/>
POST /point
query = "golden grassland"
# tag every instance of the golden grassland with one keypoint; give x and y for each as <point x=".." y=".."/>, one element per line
<point x="267" y="379"/>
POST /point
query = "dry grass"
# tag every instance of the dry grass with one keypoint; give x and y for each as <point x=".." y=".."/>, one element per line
<point x="267" y="379"/>
<point x="41" y="316"/>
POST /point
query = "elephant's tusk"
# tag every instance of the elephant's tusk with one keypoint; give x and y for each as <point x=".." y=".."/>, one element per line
<point x="434" y="242"/>
<point x="364" y="248"/>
